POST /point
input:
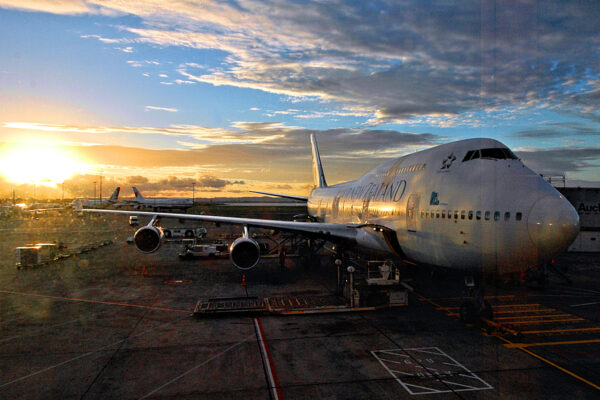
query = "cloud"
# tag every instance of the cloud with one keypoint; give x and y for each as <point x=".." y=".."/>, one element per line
<point x="263" y="153"/>
<point x="51" y="6"/>
<point x="154" y="108"/>
<point x="558" y="129"/>
<point x="395" y="61"/>
<point x="570" y="160"/>
<point x="83" y="185"/>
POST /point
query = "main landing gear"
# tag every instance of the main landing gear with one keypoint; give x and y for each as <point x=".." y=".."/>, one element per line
<point x="477" y="308"/>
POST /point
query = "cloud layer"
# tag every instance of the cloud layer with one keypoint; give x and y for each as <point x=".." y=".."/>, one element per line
<point x="395" y="61"/>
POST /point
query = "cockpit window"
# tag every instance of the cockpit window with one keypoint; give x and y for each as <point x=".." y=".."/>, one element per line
<point x="493" y="153"/>
<point x="497" y="153"/>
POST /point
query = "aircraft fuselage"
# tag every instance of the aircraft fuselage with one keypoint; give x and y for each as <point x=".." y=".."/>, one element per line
<point x="448" y="207"/>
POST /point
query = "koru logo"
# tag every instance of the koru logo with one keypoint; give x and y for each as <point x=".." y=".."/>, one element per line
<point x="448" y="161"/>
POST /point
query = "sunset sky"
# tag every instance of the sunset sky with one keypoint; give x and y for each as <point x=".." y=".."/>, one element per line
<point x="160" y="94"/>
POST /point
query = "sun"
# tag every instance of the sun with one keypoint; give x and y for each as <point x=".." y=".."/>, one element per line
<point x="47" y="165"/>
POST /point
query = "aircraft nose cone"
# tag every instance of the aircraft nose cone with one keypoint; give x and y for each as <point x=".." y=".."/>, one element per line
<point x="553" y="224"/>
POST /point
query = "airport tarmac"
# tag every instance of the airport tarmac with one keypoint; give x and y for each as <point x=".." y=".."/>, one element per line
<point x="116" y="323"/>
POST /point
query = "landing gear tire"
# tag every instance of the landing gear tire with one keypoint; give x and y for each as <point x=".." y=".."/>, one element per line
<point x="487" y="312"/>
<point x="468" y="312"/>
<point x="471" y="313"/>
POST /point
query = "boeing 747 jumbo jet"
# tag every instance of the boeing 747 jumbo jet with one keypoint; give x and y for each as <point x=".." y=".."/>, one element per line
<point x="470" y="205"/>
<point x="161" y="204"/>
<point x="87" y="203"/>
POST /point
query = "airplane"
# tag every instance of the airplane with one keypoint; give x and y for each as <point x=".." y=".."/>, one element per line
<point x="161" y="204"/>
<point x="87" y="203"/>
<point x="470" y="206"/>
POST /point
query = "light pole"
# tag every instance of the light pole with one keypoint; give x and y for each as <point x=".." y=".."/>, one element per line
<point x="94" y="189"/>
<point x="193" y="192"/>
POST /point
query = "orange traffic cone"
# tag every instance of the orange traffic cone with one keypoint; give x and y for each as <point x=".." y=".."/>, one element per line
<point x="244" y="284"/>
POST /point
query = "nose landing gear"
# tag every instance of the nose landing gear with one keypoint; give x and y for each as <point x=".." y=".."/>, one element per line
<point x="477" y="308"/>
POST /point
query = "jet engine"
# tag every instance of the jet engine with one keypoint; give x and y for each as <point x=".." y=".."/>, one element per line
<point x="148" y="238"/>
<point x="244" y="253"/>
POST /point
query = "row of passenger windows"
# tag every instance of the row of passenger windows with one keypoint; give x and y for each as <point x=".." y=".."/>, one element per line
<point x="487" y="215"/>
<point x="498" y="153"/>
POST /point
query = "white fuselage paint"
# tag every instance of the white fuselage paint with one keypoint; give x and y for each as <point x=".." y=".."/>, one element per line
<point x="403" y="194"/>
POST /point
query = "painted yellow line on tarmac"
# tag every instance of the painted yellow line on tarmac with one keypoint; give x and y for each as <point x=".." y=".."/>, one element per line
<point x="546" y="316"/>
<point x="518" y="305"/>
<point x="566" y="371"/>
<point x="533" y="310"/>
<point x="509" y="296"/>
<point x="548" y="321"/>
<point x="518" y="310"/>
<point x="560" y="331"/>
<point x="540" y="344"/>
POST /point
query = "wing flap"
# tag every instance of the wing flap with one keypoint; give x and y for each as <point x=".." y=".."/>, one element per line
<point x="319" y="229"/>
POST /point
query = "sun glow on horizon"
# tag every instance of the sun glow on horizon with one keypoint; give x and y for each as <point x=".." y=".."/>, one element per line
<point x="39" y="165"/>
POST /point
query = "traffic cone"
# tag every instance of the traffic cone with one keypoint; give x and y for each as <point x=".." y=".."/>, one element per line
<point x="244" y="284"/>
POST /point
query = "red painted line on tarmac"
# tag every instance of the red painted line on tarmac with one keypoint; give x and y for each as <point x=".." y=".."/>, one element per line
<point x="270" y="366"/>
<point x="111" y="303"/>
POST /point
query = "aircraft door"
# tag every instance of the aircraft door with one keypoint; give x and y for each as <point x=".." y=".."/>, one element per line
<point x="335" y="207"/>
<point x="412" y="209"/>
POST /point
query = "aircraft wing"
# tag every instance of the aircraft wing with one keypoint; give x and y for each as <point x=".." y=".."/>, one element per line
<point x="285" y="196"/>
<point x="44" y="209"/>
<point x="317" y="229"/>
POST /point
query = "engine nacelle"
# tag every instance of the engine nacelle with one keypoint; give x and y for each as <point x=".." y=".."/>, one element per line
<point x="244" y="253"/>
<point x="148" y="238"/>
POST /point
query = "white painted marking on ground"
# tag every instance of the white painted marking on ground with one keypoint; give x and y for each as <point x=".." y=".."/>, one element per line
<point x="89" y="353"/>
<point x="452" y="377"/>
<point x="586" y="304"/>
<point x="219" y="354"/>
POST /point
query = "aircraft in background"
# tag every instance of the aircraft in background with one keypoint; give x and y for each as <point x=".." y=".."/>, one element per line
<point x="43" y="207"/>
<point x="101" y="203"/>
<point x="470" y="206"/>
<point x="160" y="203"/>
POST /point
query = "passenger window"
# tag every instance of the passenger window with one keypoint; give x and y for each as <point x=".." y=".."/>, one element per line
<point x="443" y="214"/>
<point x="431" y="215"/>
<point x="519" y="216"/>
<point x="422" y="213"/>
<point x="506" y="216"/>
<point x="470" y="214"/>
<point x="497" y="216"/>
<point x="456" y="214"/>
<point x="487" y="215"/>
<point x="478" y="215"/>
<point x="437" y="214"/>
<point x="462" y="214"/>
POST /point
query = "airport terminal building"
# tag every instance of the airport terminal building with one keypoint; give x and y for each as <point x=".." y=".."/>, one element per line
<point x="587" y="203"/>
